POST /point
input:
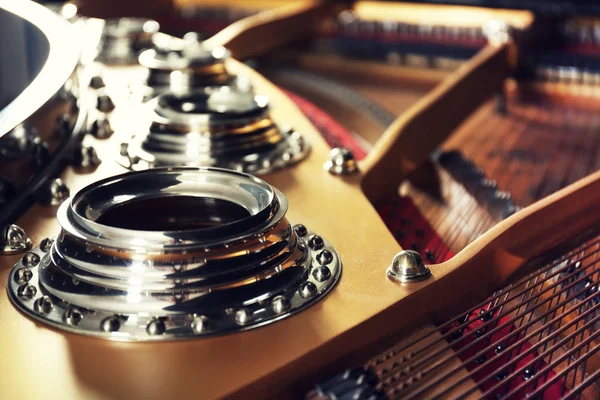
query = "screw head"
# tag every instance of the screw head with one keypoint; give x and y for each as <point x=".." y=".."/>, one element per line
<point x="322" y="273"/>
<point x="73" y="316"/>
<point x="43" y="305"/>
<point x="23" y="275"/>
<point x="110" y="324"/>
<point x="156" y="327"/>
<point x="324" y="257"/>
<point x="315" y="242"/>
<point x="30" y="259"/>
<point x="26" y="291"/>
<point x="200" y="324"/>
<point x="300" y="230"/>
<point x="308" y="290"/>
<point x="280" y="304"/>
<point x="341" y="162"/>
<point x="408" y="266"/>
<point x="46" y="245"/>
<point x="242" y="316"/>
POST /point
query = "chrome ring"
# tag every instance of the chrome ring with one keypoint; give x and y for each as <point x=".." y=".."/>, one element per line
<point x="115" y="272"/>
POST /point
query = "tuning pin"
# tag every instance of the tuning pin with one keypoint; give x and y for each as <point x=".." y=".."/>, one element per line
<point x="101" y="128"/>
<point x="86" y="156"/>
<point x="105" y="103"/>
<point x="97" y="82"/>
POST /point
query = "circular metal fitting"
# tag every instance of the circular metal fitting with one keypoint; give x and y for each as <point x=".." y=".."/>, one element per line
<point x="341" y="162"/>
<point x="173" y="253"/>
<point x="14" y="240"/>
<point x="408" y="266"/>
<point x="123" y="39"/>
<point x="217" y="127"/>
<point x="179" y="65"/>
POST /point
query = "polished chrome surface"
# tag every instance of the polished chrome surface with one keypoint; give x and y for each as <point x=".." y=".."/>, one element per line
<point x="219" y="126"/>
<point x="131" y="263"/>
<point x="408" y="266"/>
<point x="14" y="240"/>
<point x="341" y="162"/>
<point x="123" y="39"/>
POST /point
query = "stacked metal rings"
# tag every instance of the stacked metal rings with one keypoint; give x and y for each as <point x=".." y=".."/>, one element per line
<point x="219" y="126"/>
<point x="173" y="253"/>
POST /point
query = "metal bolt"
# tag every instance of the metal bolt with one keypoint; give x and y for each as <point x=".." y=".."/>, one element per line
<point x="26" y="291"/>
<point x="242" y="316"/>
<point x="86" y="156"/>
<point x="408" y="266"/>
<point x="97" y="82"/>
<point x="46" y="245"/>
<point x="200" y="324"/>
<point x="23" y="275"/>
<point x="43" y="305"/>
<point x="300" y="230"/>
<point x="156" y="327"/>
<point x="30" y="259"/>
<point x="56" y="193"/>
<point x="315" y="242"/>
<point x="341" y="162"/>
<point x="280" y="304"/>
<point x="105" y="103"/>
<point x="73" y="316"/>
<point x="110" y="324"/>
<point x="322" y="273"/>
<point x="325" y="257"/>
<point x="14" y="240"/>
<point x="308" y="290"/>
<point x="101" y="128"/>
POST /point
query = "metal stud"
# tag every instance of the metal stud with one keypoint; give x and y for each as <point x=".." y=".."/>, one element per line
<point x="30" y="259"/>
<point x="242" y="316"/>
<point x="322" y="273"/>
<point x="73" y="316"/>
<point x="46" y="245"/>
<point x="408" y="266"/>
<point x="200" y="324"/>
<point x="105" y="103"/>
<point x="23" y="275"/>
<point x="86" y="157"/>
<point x="280" y="304"/>
<point x="341" y="162"/>
<point x="14" y="240"/>
<point x="110" y="324"/>
<point x="156" y="327"/>
<point x="101" y="128"/>
<point x="308" y="290"/>
<point x="324" y="257"/>
<point x="97" y="82"/>
<point x="56" y="193"/>
<point x="315" y="242"/>
<point x="43" y="305"/>
<point x="300" y="230"/>
<point x="26" y="291"/>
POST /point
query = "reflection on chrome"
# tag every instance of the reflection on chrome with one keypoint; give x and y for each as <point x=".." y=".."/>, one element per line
<point x="220" y="126"/>
<point x="173" y="253"/>
<point x="123" y="39"/>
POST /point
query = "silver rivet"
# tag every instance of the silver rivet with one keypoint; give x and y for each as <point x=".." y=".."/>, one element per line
<point x="408" y="266"/>
<point x="57" y="192"/>
<point x="315" y="242"/>
<point x="156" y="327"/>
<point x="322" y="273"/>
<point x="341" y="162"/>
<point x="105" y="103"/>
<point x="26" y="291"/>
<point x="110" y="324"/>
<point x="325" y="257"/>
<point x="87" y="157"/>
<point x="280" y="304"/>
<point x="14" y="240"/>
<point x="242" y="316"/>
<point x="300" y="230"/>
<point x="97" y="82"/>
<point x="73" y="316"/>
<point x="200" y="324"/>
<point x="308" y="290"/>
<point x="30" y="259"/>
<point x="46" y="245"/>
<point x="43" y="305"/>
<point x="23" y="275"/>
